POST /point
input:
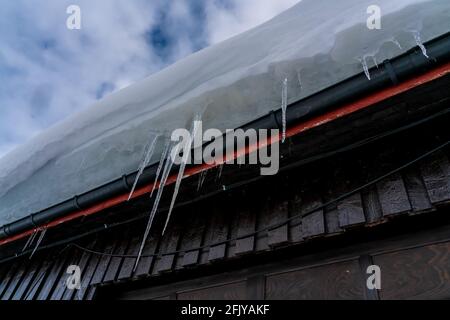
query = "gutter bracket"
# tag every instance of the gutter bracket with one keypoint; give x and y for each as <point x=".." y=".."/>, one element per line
<point x="391" y="72"/>
<point x="33" y="222"/>
<point x="76" y="204"/>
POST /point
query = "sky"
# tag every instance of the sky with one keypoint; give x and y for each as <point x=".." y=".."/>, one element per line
<point x="48" y="72"/>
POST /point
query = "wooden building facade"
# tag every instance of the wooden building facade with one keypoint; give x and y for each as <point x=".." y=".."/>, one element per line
<point x="370" y="188"/>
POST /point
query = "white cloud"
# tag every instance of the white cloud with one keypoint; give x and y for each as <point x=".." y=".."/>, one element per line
<point x="49" y="72"/>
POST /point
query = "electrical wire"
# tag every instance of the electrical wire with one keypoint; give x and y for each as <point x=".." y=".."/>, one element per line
<point x="280" y="224"/>
<point x="239" y="184"/>
<point x="250" y="234"/>
<point x="311" y="159"/>
<point x="42" y="274"/>
<point x="272" y="227"/>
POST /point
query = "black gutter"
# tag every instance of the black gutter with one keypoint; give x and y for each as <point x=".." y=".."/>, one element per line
<point x="391" y="72"/>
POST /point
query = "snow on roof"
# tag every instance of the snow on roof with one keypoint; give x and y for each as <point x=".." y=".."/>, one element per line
<point x="314" y="45"/>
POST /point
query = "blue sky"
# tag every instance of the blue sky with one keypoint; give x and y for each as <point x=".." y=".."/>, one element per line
<point x="48" y="72"/>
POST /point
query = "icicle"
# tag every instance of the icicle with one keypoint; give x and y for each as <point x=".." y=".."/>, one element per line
<point x="219" y="172"/>
<point x="241" y="161"/>
<point x="184" y="160"/>
<point x="160" y="166"/>
<point x="38" y="243"/>
<point x="375" y="61"/>
<point x="299" y="78"/>
<point x="284" y="97"/>
<point x="397" y="43"/>
<point x="201" y="180"/>
<point x="29" y="241"/>
<point x="148" y="153"/>
<point x="165" y="175"/>
<point x="82" y="164"/>
<point x="365" y="67"/>
<point x="420" y="44"/>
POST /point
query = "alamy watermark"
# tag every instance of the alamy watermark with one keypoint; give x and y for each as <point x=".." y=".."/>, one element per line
<point x="73" y="21"/>
<point x="374" y="20"/>
<point x="73" y="281"/>
<point x="237" y="146"/>
<point x="374" y="279"/>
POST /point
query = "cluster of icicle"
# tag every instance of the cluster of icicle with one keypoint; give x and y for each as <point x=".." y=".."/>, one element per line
<point x="418" y="41"/>
<point x="166" y="161"/>
<point x="31" y="239"/>
<point x="162" y="174"/>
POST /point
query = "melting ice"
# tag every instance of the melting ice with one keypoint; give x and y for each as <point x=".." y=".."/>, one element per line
<point x="148" y="153"/>
<point x="420" y="44"/>
<point x="284" y="98"/>
<point x="186" y="154"/>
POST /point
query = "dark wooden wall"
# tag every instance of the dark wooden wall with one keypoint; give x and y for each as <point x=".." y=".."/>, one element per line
<point x="420" y="190"/>
<point x="413" y="266"/>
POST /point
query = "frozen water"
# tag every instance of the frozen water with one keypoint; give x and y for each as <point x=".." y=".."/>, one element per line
<point x="420" y="44"/>
<point x="240" y="160"/>
<point x="284" y="103"/>
<point x="299" y="78"/>
<point x="38" y="243"/>
<point x="165" y="175"/>
<point x="238" y="79"/>
<point x="29" y="241"/>
<point x="184" y="160"/>
<point x="219" y="172"/>
<point x="375" y="61"/>
<point x="201" y="179"/>
<point x="148" y="153"/>
<point x="160" y="165"/>
<point x="365" y="67"/>
<point x="394" y="41"/>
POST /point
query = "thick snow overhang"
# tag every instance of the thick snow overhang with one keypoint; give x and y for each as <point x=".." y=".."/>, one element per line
<point x="246" y="87"/>
<point x="117" y="193"/>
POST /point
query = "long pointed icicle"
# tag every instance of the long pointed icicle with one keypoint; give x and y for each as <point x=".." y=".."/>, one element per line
<point x="30" y="241"/>
<point x="201" y="180"/>
<point x="284" y="97"/>
<point x="365" y="67"/>
<point x="165" y="175"/>
<point x="161" y="164"/>
<point x="148" y="153"/>
<point x="299" y="78"/>
<point x="395" y="41"/>
<point x="375" y="61"/>
<point x="186" y="154"/>
<point x="219" y="172"/>
<point x="38" y="243"/>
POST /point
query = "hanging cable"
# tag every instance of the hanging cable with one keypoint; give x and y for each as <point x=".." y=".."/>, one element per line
<point x="42" y="274"/>
<point x="299" y="163"/>
<point x="283" y="223"/>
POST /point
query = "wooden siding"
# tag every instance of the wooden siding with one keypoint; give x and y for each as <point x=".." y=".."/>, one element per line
<point x="414" y="265"/>
<point x="418" y="190"/>
<point x="195" y="230"/>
